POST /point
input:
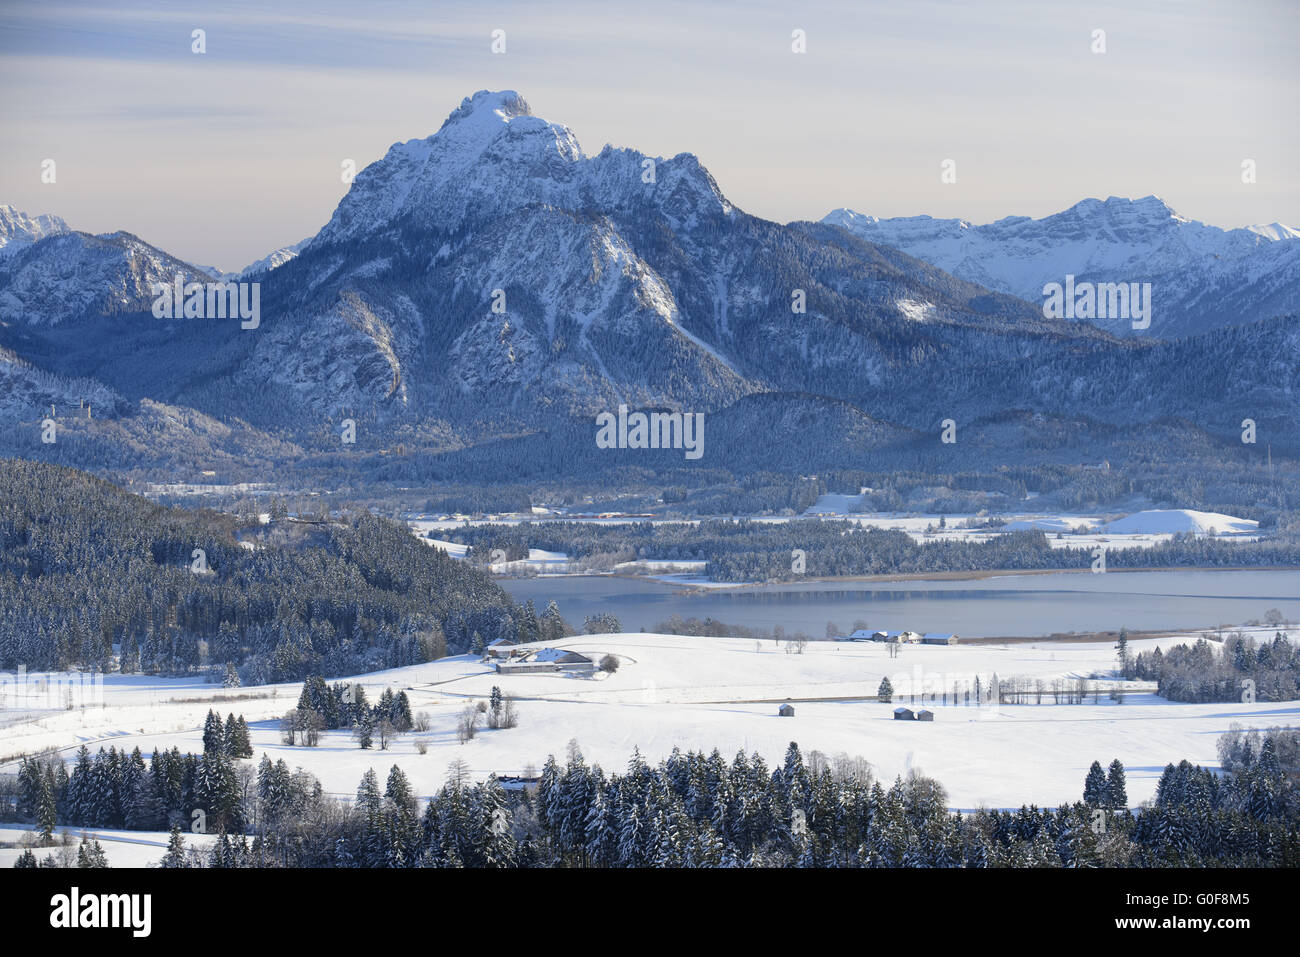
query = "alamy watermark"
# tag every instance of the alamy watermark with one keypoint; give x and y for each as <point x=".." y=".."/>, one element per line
<point x="1102" y="300"/>
<point x="651" y="430"/>
<point x="75" y="910"/>
<point x="50" y="691"/>
<point x="209" y="300"/>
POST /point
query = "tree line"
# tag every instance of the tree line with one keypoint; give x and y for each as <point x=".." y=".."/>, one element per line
<point x="97" y="579"/>
<point x="1241" y="669"/>
<point x="749" y="551"/>
<point x="698" y="810"/>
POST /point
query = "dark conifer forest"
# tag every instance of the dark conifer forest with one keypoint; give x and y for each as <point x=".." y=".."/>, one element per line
<point x="86" y="566"/>
<point x="691" y="810"/>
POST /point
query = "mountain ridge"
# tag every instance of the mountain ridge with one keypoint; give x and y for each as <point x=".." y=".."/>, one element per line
<point x="1204" y="276"/>
<point x="494" y="280"/>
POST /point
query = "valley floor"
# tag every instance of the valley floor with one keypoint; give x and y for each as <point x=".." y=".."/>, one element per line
<point x="701" y="693"/>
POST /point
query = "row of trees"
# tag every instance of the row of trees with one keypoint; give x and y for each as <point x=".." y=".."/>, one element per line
<point x="747" y="550"/>
<point x="90" y="854"/>
<point x="1240" y="669"/>
<point x="1106" y="789"/>
<point x="323" y="707"/>
<point x="114" y="789"/>
<point x="698" y="810"/>
<point x="230" y="739"/>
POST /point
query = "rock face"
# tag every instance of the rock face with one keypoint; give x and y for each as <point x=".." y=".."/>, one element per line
<point x="1203" y="277"/>
<point x="493" y="281"/>
<point x="18" y="230"/>
<point x="70" y="276"/>
<point x="495" y="269"/>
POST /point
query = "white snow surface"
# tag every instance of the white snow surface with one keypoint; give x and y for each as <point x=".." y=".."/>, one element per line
<point x="1174" y="520"/>
<point x="122" y="848"/>
<point x="702" y="693"/>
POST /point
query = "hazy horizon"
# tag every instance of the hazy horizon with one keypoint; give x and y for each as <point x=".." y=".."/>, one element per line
<point x="221" y="157"/>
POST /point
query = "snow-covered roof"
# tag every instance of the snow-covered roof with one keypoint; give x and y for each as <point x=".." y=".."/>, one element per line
<point x="559" y="654"/>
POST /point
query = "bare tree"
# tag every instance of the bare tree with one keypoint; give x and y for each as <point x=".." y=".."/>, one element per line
<point x="313" y="723"/>
<point x="467" y="724"/>
<point x="509" y="714"/>
<point x="856" y="768"/>
<point x="385" y="731"/>
<point x="289" y="728"/>
<point x="302" y="724"/>
<point x="457" y="774"/>
<point x="816" y="762"/>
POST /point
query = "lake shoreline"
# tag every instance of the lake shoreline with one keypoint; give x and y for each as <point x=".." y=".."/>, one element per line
<point x="995" y="606"/>
<point x="957" y="576"/>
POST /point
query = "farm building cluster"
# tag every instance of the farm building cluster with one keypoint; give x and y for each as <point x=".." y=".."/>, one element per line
<point x="902" y="637"/>
<point x="511" y="660"/>
<point x="907" y="714"/>
<point x="900" y="714"/>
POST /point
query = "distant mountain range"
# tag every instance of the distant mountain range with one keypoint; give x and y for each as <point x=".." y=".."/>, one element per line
<point x="18" y="230"/>
<point x="492" y="283"/>
<point x="1203" y="277"/>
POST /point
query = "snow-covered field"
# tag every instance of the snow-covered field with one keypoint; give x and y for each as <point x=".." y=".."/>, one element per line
<point x="122" y="848"/>
<point x="1138" y="530"/>
<point x="701" y="693"/>
<point x="542" y="562"/>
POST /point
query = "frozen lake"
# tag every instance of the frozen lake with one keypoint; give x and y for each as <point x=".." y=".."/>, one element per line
<point x="1029" y="605"/>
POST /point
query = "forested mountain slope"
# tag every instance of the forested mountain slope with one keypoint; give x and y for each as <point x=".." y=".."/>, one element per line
<point x="86" y="566"/>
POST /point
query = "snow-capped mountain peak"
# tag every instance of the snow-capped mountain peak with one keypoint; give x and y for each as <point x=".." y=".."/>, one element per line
<point x="272" y="260"/>
<point x="19" y="230"/>
<point x="487" y="109"/>
<point x="1275" y="231"/>
<point x="72" y="275"/>
<point x="1204" y="276"/>
<point x="491" y="152"/>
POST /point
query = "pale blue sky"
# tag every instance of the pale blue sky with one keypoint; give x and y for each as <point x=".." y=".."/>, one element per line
<point x="222" y="157"/>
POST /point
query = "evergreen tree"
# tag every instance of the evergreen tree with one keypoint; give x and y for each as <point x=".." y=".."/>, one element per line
<point x="175" y="856"/>
<point x="529" y="629"/>
<point x="1116" y="790"/>
<point x="46" y="811"/>
<point x="400" y="715"/>
<point x="238" y="744"/>
<point x="1094" y="787"/>
<point x="91" y="855"/>
<point x="364" y="732"/>
<point x="552" y="625"/>
<point x="214" y="734"/>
